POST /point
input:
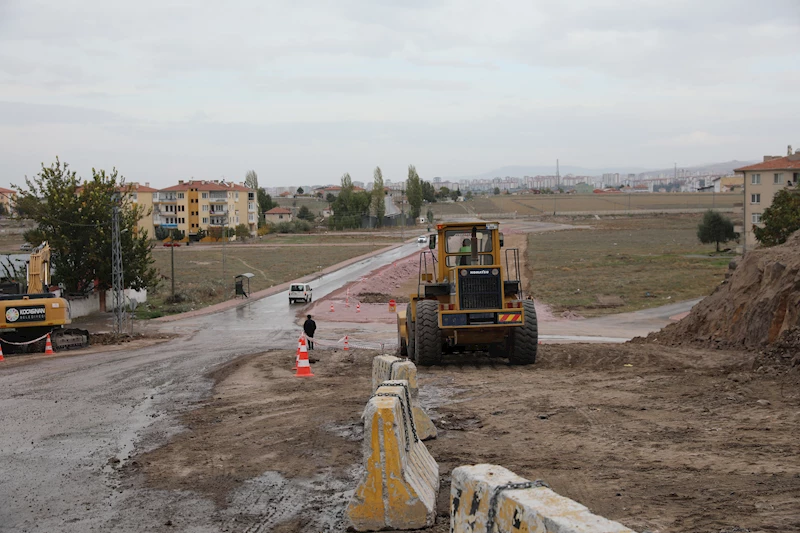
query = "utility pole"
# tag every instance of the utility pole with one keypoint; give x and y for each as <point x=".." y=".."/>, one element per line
<point x="117" y="274"/>
<point x="224" y="238"/>
<point x="558" y="176"/>
<point x="402" y="215"/>
<point x="172" y="277"/>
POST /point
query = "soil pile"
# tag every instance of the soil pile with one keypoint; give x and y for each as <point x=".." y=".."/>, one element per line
<point x="756" y="307"/>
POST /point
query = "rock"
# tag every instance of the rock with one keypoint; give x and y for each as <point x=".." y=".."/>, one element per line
<point x="763" y="402"/>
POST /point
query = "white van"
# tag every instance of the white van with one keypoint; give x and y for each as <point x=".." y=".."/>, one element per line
<point x="299" y="292"/>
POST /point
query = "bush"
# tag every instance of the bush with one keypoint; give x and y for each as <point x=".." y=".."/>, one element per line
<point x="263" y="230"/>
<point x="296" y="226"/>
<point x="242" y="231"/>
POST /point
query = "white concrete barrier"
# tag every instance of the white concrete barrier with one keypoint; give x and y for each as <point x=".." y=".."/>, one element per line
<point x="389" y="367"/>
<point x="401" y="482"/>
<point x="491" y="499"/>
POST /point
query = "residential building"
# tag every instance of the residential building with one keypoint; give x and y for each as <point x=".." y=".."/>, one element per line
<point x="761" y="182"/>
<point x="8" y="197"/>
<point x="142" y="195"/>
<point x="278" y="214"/>
<point x="193" y="205"/>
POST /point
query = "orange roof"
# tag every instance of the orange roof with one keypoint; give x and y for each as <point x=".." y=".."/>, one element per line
<point x="203" y="185"/>
<point x="142" y="188"/>
<point x="779" y="163"/>
<point x="3" y="190"/>
<point x="279" y="211"/>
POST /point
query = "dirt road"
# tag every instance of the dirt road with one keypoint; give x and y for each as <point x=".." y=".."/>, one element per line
<point x="663" y="440"/>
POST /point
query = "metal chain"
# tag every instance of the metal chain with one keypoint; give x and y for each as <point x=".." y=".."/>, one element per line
<point x="405" y="422"/>
<point x="508" y="486"/>
<point x="404" y="384"/>
<point x="391" y="367"/>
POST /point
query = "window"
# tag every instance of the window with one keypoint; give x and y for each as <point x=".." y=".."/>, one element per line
<point x="181" y="208"/>
<point x="756" y="218"/>
<point x="135" y="197"/>
<point x="205" y="208"/>
<point x="778" y="177"/>
<point x="180" y="196"/>
<point x="205" y="220"/>
<point x="237" y="195"/>
<point x="205" y="195"/>
<point x="755" y="179"/>
<point x="755" y="198"/>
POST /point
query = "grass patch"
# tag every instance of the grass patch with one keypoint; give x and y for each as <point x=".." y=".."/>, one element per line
<point x="643" y="261"/>
<point x="199" y="278"/>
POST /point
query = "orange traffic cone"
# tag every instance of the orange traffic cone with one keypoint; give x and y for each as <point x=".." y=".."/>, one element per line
<point x="48" y="346"/>
<point x="358" y="307"/>
<point x="331" y="307"/>
<point x="303" y="367"/>
<point x="297" y="354"/>
<point x="346" y="344"/>
<point x="1" y="353"/>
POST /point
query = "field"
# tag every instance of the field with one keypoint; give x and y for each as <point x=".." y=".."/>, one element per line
<point x="623" y="264"/>
<point x="200" y="281"/>
<point x="546" y="204"/>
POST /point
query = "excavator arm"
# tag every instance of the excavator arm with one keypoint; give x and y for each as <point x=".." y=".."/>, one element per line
<point x="39" y="270"/>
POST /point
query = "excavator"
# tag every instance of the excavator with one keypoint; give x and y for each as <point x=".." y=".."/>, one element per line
<point x="31" y="314"/>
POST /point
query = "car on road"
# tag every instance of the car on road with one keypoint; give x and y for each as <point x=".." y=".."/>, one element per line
<point x="300" y="292"/>
<point x="26" y="247"/>
<point x="422" y="239"/>
<point x="172" y="244"/>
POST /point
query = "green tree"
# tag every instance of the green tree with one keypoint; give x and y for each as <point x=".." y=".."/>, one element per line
<point x="349" y="206"/>
<point x="429" y="216"/>
<point x="496" y="191"/>
<point x="715" y="228"/>
<point x="300" y="190"/>
<point x="414" y="192"/>
<point x="330" y="198"/>
<point x="428" y="192"/>
<point x="378" y="195"/>
<point x="265" y="203"/>
<point x="455" y="195"/>
<point x="74" y="217"/>
<point x="469" y="195"/>
<point x="444" y="193"/>
<point x="304" y="213"/>
<point x="251" y="180"/>
<point x="780" y="220"/>
<point x="242" y="231"/>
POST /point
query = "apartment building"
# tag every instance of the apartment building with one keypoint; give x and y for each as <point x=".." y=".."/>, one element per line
<point x="761" y="182"/>
<point x="193" y="205"/>
<point x="8" y="197"/>
<point x="142" y="195"/>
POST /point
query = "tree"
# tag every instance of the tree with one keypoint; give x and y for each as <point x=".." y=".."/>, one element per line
<point x="414" y="192"/>
<point x="251" y="180"/>
<point x="444" y="193"/>
<point x="455" y="195"/>
<point x="265" y="203"/>
<point x="780" y="220"/>
<point x="469" y="195"/>
<point x="496" y="191"/>
<point x="715" y="228"/>
<point x="378" y="195"/>
<point x="330" y="198"/>
<point x="428" y="192"/>
<point x="242" y="231"/>
<point x="429" y="216"/>
<point x="304" y="213"/>
<point x="300" y="190"/>
<point x="349" y="206"/>
<point x="74" y="217"/>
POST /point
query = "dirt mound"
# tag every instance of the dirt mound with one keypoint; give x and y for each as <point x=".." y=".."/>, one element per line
<point x="784" y="354"/>
<point x="379" y="298"/>
<point x="756" y="305"/>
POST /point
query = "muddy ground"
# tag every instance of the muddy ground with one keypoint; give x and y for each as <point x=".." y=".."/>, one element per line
<point x="662" y="439"/>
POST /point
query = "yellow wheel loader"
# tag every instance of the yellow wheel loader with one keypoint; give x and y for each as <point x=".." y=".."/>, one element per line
<point x="35" y="312"/>
<point x="469" y="298"/>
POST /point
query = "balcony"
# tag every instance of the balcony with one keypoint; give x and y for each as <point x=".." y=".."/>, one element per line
<point x="218" y="197"/>
<point x="164" y="198"/>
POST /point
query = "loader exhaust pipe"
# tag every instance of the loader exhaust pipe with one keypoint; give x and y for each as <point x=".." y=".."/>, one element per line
<point x="473" y="246"/>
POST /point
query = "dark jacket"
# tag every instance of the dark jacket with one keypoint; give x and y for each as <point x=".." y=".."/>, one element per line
<point x="309" y="326"/>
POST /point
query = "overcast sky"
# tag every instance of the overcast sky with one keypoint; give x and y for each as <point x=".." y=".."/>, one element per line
<point x="304" y="91"/>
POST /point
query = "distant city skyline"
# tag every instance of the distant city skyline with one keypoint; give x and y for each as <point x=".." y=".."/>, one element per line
<point x="304" y="92"/>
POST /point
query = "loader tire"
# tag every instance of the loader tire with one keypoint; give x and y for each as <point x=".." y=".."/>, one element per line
<point x="428" y="339"/>
<point x="411" y="345"/>
<point x="526" y="338"/>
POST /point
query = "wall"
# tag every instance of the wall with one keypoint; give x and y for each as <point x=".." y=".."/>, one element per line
<point x="91" y="304"/>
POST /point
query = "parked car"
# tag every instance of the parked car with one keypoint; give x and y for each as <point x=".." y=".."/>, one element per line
<point x="172" y="244"/>
<point x="26" y="247"/>
<point x="300" y="292"/>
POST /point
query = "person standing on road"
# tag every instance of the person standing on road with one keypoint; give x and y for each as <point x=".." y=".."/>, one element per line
<point x="309" y="326"/>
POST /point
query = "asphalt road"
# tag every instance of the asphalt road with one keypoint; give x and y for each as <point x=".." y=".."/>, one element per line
<point x="70" y="423"/>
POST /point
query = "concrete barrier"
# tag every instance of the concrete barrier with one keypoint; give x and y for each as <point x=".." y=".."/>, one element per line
<point x="389" y="367"/>
<point x="491" y="499"/>
<point x="401" y="482"/>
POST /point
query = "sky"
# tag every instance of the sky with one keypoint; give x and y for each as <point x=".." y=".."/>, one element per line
<point x="304" y="91"/>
